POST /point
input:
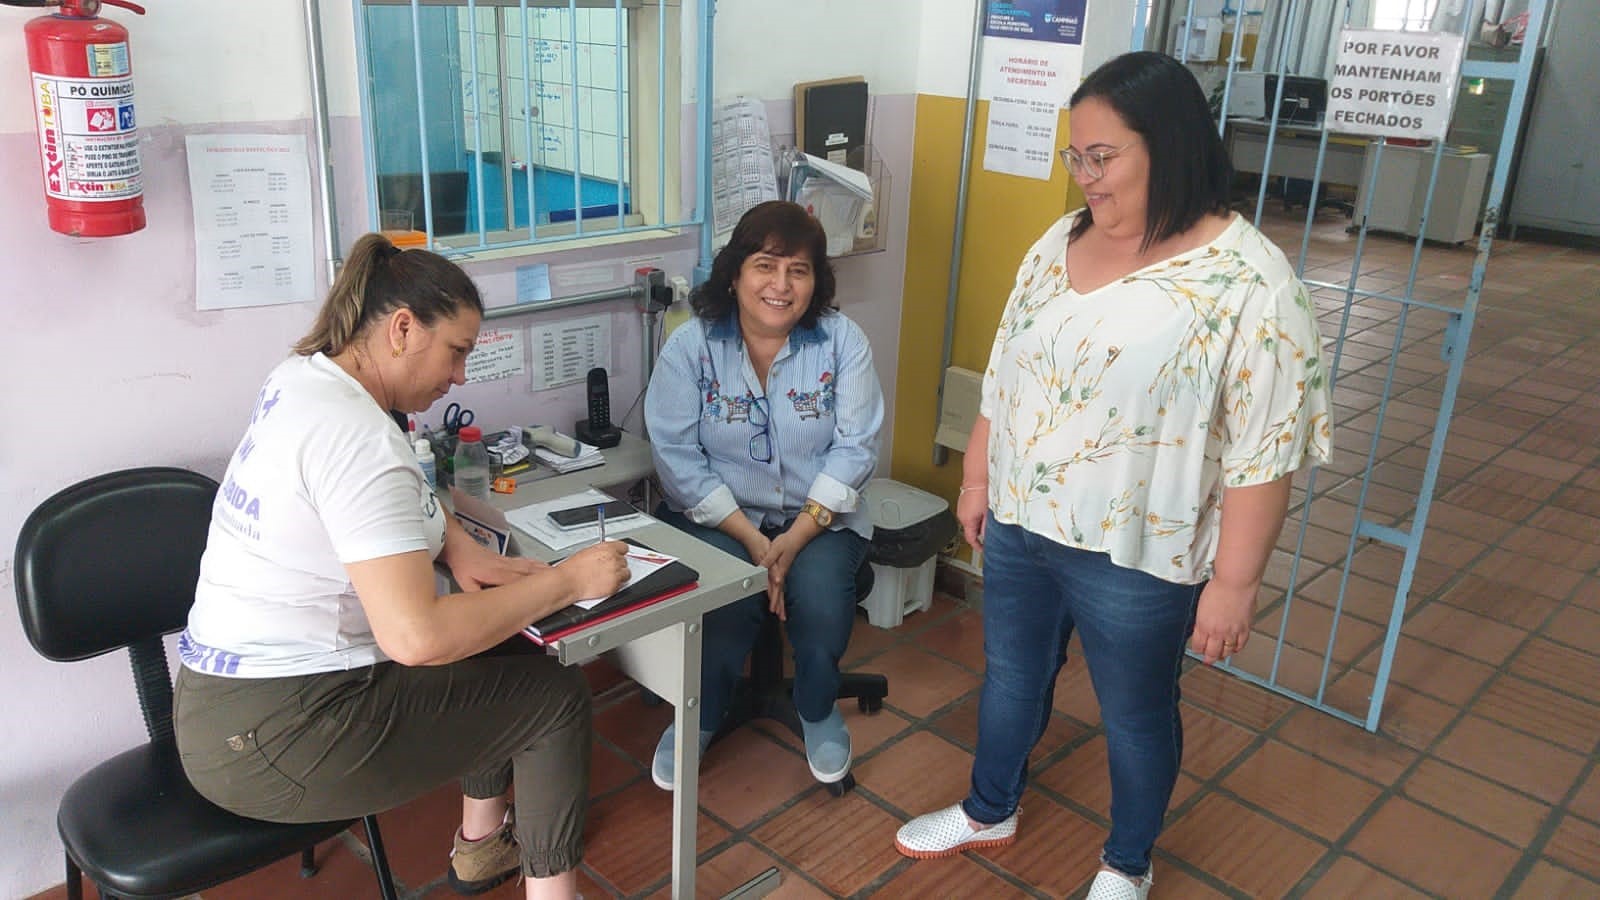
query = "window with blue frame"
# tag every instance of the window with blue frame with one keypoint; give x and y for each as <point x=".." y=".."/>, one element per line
<point x="515" y="122"/>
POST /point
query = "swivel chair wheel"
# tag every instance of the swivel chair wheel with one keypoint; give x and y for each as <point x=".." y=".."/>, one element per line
<point x="842" y="786"/>
<point x="870" y="705"/>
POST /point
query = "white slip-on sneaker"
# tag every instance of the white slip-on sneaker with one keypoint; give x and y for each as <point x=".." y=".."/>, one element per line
<point x="1114" y="886"/>
<point x="947" y="832"/>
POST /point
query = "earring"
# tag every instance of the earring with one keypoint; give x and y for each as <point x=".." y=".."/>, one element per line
<point x="398" y="351"/>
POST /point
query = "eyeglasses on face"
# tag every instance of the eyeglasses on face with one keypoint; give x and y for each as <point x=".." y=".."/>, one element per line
<point x="761" y="441"/>
<point x="1089" y="166"/>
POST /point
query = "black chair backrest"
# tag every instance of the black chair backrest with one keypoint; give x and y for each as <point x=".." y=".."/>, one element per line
<point x="112" y="561"/>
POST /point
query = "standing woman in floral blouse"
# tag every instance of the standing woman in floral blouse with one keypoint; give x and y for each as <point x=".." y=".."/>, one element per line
<point x="1156" y="380"/>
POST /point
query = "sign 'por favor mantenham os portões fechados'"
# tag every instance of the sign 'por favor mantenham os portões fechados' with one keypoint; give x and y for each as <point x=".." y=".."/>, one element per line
<point x="1394" y="83"/>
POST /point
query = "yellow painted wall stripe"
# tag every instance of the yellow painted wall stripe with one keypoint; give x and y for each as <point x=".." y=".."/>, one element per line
<point x="1005" y="214"/>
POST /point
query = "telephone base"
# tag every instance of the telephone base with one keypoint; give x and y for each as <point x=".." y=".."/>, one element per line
<point x="604" y="437"/>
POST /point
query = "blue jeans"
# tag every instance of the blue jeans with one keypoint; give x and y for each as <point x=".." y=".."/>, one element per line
<point x="1133" y="627"/>
<point x="819" y="601"/>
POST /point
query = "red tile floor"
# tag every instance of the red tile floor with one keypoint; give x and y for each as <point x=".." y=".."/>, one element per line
<point x="1481" y="782"/>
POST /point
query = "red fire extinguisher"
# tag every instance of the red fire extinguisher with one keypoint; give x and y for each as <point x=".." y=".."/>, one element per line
<point x="83" y="107"/>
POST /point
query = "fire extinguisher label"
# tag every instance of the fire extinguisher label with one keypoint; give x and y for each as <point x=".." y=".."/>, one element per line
<point x="88" y="137"/>
<point x="107" y="60"/>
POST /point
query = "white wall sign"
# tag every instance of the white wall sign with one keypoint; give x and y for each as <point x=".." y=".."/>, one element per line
<point x="498" y="354"/>
<point x="564" y="352"/>
<point x="1026" y="82"/>
<point x="1394" y="83"/>
<point x="251" y="195"/>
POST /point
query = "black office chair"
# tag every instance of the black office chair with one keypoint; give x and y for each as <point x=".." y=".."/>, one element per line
<point x="112" y="562"/>
<point x="766" y="694"/>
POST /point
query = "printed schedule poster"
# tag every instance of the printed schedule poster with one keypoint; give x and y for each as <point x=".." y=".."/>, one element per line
<point x="251" y="195"/>
<point x="1057" y="21"/>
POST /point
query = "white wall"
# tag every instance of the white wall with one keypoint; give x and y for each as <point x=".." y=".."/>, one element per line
<point x="104" y="351"/>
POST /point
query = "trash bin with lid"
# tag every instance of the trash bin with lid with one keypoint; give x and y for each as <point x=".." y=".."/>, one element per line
<point x="910" y="527"/>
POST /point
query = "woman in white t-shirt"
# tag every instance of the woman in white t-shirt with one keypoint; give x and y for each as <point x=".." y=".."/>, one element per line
<point x="1155" y="382"/>
<point x="324" y="677"/>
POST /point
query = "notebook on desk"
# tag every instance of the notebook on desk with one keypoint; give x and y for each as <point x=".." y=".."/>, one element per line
<point x="658" y="577"/>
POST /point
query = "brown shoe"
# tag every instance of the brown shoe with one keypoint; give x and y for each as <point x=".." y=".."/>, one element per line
<point x="483" y="864"/>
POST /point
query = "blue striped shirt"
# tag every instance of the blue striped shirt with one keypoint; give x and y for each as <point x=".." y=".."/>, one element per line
<point x="713" y="427"/>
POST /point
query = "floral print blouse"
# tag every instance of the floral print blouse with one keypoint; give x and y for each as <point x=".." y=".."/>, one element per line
<point x="1119" y="415"/>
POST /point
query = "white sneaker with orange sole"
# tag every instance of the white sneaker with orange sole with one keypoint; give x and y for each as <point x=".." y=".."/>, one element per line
<point x="947" y="832"/>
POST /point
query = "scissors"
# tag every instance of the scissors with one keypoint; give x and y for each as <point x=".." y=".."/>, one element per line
<point x="456" y="417"/>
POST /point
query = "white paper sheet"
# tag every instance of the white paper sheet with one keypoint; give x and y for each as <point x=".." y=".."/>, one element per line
<point x="251" y="195"/>
<point x="1027" y="83"/>
<point x="564" y="352"/>
<point x="499" y="353"/>
<point x="535" y="520"/>
<point x="742" y="171"/>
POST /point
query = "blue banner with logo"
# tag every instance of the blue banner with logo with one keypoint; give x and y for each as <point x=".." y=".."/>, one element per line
<point x="1057" y="21"/>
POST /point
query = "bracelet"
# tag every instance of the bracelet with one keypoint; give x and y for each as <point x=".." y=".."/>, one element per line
<point x="972" y="487"/>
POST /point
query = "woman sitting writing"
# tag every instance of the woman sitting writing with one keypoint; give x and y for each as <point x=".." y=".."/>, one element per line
<point x="323" y="675"/>
<point x="764" y="413"/>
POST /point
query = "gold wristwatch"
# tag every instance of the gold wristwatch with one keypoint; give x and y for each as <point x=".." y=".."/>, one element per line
<point x="822" y="514"/>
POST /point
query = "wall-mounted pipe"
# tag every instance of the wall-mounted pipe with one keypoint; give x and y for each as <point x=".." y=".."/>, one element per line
<point x="974" y="76"/>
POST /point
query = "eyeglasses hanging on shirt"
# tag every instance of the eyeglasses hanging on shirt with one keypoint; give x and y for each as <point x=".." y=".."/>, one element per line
<point x="761" y="442"/>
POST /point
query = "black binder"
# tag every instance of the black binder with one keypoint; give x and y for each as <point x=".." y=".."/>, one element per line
<point x="670" y="580"/>
<point x="830" y="120"/>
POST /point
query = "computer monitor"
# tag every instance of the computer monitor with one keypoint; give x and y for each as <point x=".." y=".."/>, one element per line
<point x="1305" y="98"/>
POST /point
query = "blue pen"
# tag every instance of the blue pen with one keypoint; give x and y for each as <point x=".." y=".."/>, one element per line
<point x="600" y="516"/>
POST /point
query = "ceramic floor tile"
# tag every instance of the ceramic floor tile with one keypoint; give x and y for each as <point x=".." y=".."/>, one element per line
<point x="1439" y="854"/>
<point x="1210" y="743"/>
<point x="1528" y="706"/>
<point x="952" y="877"/>
<point x="1576" y="627"/>
<point x="1545" y="881"/>
<point x="1350" y="877"/>
<point x="867" y="641"/>
<point x="1463" y="632"/>
<point x="610" y="769"/>
<point x="633" y="726"/>
<point x="959" y="639"/>
<point x="1410" y="717"/>
<point x="417" y="836"/>
<point x="1301" y="789"/>
<point x="1522" y="606"/>
<point x="959" y="724"/>
<point x="919" y="774"/>
<point x="920" y="682"/>
<point x="843" y="843"/>
<point x="1512" y="758"/>
<point x="1056" y="850"/>
<point x="1576" y="845"/>
<point x="1377" y="757"/>
<point x="1586" y="802"/>
<point x="1434" y="671"/>
<point x="747" y="775"/>
<point x="1245" y="849"/>
<point x="737" y="865"/>
<point x="1563" y="668"/>
<point x="628" y="837"/>
<point x="1456" y="792"/>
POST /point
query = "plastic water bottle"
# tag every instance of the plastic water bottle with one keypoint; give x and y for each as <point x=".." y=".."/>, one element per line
<point x="424" y="451"/>
<point x="472" y="463"/>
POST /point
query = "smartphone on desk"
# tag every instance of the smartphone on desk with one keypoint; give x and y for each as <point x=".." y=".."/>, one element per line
<point x="589" y="513"/>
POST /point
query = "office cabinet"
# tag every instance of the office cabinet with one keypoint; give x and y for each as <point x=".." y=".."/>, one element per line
<point x="1558" y="174"/>
<point x="1399" y="189"/>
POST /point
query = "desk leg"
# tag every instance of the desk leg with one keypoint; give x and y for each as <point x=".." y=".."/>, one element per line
<point x="686" y="755"/>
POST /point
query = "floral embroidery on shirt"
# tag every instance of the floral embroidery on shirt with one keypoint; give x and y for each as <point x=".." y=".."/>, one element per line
<point x="813" y="404"/>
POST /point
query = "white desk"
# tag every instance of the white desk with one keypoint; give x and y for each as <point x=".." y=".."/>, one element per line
<point x="657" y="645"/>
<point x="1294" y="152"/>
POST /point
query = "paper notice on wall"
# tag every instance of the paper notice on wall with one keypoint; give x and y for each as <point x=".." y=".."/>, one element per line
<point x="564" y="352"/>
<point x="1026" y="84"/>
<point x="742" y="171"/>
<point x="1394" y="83"/>
<point x="499" y="353"/>
<point x="251" y="195"/>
